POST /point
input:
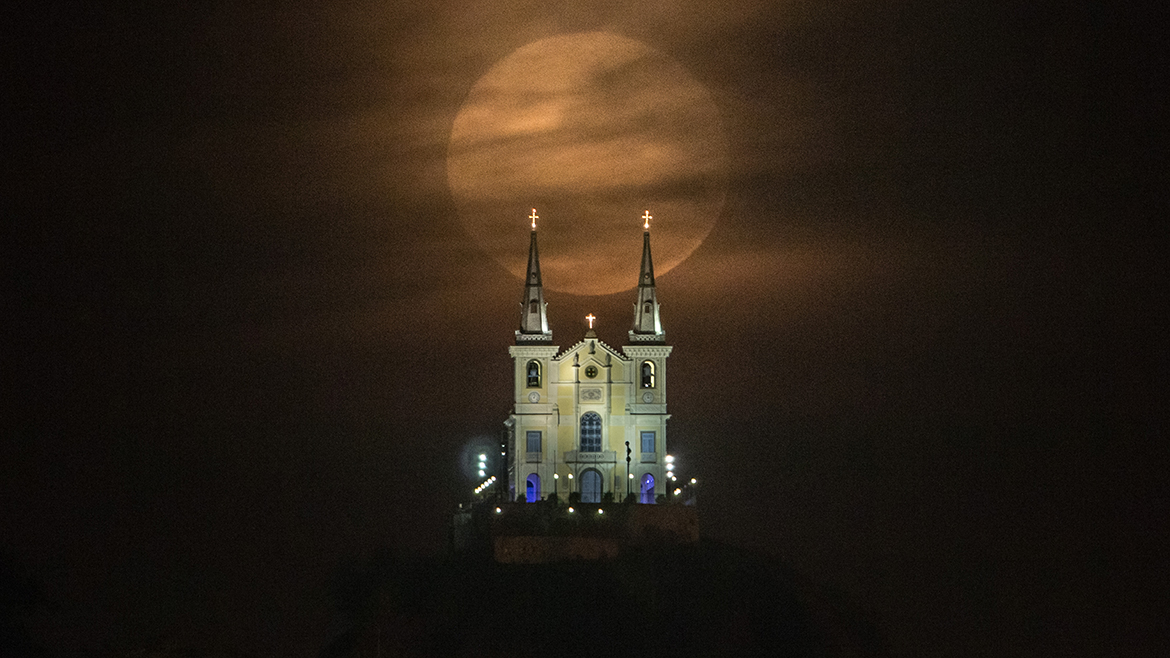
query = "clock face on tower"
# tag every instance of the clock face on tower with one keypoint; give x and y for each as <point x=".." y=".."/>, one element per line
<point x="647" y="397"/>
<point x="590" y="371"/>
<point x="534" y="397"/>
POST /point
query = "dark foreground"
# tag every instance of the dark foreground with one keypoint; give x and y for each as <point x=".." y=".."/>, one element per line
<point x="698" y="600"/>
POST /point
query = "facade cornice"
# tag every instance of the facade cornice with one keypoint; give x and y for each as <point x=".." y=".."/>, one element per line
<point x="548" y="351"/>
<point x="647" y="338"/>
<point x="537" y="339"/>
<point x="640" y="351"/>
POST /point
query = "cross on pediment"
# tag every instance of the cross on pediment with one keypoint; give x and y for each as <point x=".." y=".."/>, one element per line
<point x="590" y="318"/>
<point x="646" y="218"/>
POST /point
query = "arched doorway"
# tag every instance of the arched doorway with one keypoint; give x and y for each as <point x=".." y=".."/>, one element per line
<point x="590" y="486"/>
<point x="648" y="489"/>
<point x="532" y="490"/>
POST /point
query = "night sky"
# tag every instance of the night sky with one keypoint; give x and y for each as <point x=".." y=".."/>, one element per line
<point x="916" y="360"/>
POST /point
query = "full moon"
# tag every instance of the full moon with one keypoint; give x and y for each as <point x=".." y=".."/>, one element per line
<point x="591" y="130"/>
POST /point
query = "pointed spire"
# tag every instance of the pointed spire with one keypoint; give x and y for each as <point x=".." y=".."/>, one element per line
<point x="647" y="322"/>
<point x="533" y="312"/>
<point x="533" y="255"/>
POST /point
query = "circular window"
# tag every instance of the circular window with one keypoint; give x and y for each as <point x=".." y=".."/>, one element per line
<point x="590" y="371"/>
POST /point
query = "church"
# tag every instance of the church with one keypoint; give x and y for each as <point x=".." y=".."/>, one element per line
<point x="592" y="419"/>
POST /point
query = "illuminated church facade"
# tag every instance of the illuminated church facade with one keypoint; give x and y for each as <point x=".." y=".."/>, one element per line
<point x="591" y="419"/>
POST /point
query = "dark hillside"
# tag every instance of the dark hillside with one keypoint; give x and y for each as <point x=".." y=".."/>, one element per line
<point x="699" y="600"/>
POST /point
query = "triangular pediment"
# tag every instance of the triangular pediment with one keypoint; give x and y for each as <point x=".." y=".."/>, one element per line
<point x="591" y="349"/>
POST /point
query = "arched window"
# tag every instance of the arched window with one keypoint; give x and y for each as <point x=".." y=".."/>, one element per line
<point x="534" y="374"/>
<point x="647" y="374"/>
<point x="590" y="486"/>
<point x="591" y="432"/>
<point x="647" y="489"/>
<point x="533" y="307"/>
<point x="532" y="490"/>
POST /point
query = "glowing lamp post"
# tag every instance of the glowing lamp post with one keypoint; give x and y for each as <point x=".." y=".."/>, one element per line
<point x="485" y="484"/>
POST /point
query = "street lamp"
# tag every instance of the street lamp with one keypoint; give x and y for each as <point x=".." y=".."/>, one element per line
<point x="629" y="475"/>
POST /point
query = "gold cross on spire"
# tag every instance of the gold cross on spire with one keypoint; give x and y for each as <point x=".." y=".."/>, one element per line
<point x="534" y="217"/>
<point x="647" y="218"/>
<point x="590" y="318"/>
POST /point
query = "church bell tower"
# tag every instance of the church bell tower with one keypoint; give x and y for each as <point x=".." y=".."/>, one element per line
<point x="647" y="321"/>
<point x="533" y="310"/>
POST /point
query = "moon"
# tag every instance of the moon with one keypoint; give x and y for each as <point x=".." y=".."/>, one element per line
<point x="592" y="130"/>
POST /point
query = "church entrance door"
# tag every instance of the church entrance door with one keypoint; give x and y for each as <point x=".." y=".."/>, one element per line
<point x="647" y="489"/>
<point x="590" y="486"/>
